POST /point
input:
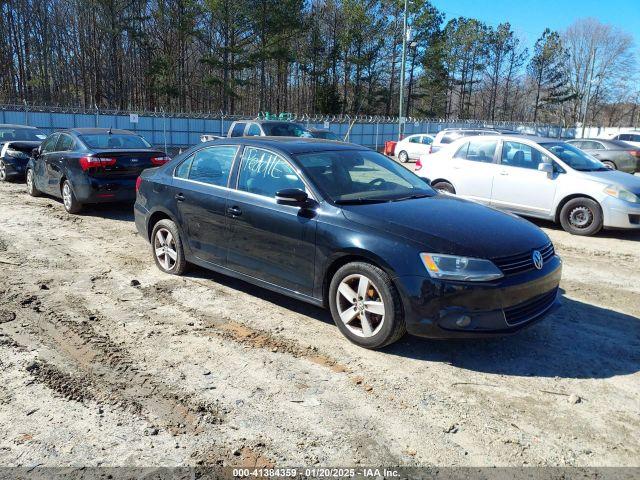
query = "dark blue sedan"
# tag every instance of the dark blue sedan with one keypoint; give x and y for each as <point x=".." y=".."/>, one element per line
<point x="344" y="227"/>
<point x="90" y="165"/>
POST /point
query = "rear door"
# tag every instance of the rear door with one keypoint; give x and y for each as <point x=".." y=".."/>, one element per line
<point x="200" y="191"/>
<point x="519" y="186"/>
<point x="271" y="242"/>
<point x="473" y="168"/>
<point x="47" y="155"/>
<point x="55" y="162"/>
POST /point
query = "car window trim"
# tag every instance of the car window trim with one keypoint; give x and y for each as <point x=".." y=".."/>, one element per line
<point x="190" y="157"/>
<point x="310" y="191"/>
<point x="55" y="144"/>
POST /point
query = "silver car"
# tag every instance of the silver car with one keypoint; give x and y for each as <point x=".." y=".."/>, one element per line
<point x="537" y="177"/>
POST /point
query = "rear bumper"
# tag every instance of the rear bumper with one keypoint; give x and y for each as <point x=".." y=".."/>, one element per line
<point x="464" y="310"/>
<point x="97" y="190"/>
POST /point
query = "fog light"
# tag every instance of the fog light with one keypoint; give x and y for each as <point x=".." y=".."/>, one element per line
<point x="463" y="321"/>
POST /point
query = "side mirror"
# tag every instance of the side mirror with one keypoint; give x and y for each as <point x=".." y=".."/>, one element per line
<point x="35" y="153"/>
<point x="292" y="196"/>
<point x="546" y="167"/>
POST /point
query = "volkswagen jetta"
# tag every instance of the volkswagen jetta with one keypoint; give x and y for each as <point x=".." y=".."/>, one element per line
<point x="344" y="227"/>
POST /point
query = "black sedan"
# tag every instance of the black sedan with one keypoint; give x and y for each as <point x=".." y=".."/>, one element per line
<point x="344" y="227"/>
<point x="90" y="165"/>
<point x="615" y="154"/>
<point x="16" y="144"/>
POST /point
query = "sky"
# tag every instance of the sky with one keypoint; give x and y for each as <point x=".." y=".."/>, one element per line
<point x="529" y="18"/>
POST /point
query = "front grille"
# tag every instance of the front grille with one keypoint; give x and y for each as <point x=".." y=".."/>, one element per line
<point x="523" y="262"/>
<point x="529" y="310"/>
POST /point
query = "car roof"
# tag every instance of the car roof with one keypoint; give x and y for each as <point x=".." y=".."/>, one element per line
<point x="11" y="125"/>
<point x="512" y="138"/>
<point x="98" y="131"/>
<point x="289" y="145"/>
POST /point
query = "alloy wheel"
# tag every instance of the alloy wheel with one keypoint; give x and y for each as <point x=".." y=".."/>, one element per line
<point x="581" y="217"/>
<point x="30" y="181"/>
<point x="3" y="171"/>
<point x="165" y="249"/>
<point x="360" y="305"/>
<point x="67" y="197"/>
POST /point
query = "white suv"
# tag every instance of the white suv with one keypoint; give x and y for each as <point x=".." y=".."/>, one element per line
<point x="537" y="177"/>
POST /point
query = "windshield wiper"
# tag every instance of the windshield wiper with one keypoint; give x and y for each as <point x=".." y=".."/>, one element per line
<point x="361" y="201"/>
<point x="411" y="197"/>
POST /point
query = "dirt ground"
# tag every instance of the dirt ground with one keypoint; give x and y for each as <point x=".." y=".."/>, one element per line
<point x="106" y="361"/>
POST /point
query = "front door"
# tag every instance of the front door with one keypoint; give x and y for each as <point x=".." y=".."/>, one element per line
<point x="47" y="155"/>
<point x="274" y="243"/>
<point x="199" y="193"/>
<point x="519" y="186"/>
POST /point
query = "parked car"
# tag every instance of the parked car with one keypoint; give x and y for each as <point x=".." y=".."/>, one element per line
<point x="448" y="135"/>
<point x="411" y="147"/>
<point x="342" y="226"/>
<point x="16" y="144"/>
<point x="325" y="134"/>
<point x="537" y="177"/>
<point x="90" y="165"/>
<point x="267" y="128"/>
<point x="632" y="137"/>
<point x="615" y="154"/>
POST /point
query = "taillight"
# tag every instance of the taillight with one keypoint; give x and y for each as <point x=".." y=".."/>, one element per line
<point x="95" y="162"/>
<point x="418" y="165"/>
<point x="138" y="183"/>
<point x="635" y="153"/>
<point x="160" y="160"/>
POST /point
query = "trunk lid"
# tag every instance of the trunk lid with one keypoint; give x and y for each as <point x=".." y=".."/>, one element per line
<point x="125" y="163"/>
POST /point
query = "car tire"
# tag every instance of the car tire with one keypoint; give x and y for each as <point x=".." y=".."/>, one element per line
<point x="3" y="172"/>
<point x="166" y="236"/>
<point x="610" y="164"/>
<point x="581" y="216"/>
<point x="31" y="184"/>
<point x="69" y="200"/>
<point x="445" y="187"/>
<point x="361" y="320"/>
<point x="403" y="157"/>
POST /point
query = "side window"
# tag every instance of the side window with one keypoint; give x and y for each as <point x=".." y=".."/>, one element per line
<point x="49" y="145"/>
<point x="65" y="143"/>
<point x="414" y="139"/>
<point x="635" y="138"/>
<point x="238" y="129"/>
<point x="623" y="136"/>
<point x="265" y="173"/>
<point x="212" y="165"/>
<point x="482" y="150"/>
<point x="462" y="151"/>
<point x="254" y="130"/>
<point x="427" y="140"/>
<point x="183" y="169"/>
<point x="515" y="154"/>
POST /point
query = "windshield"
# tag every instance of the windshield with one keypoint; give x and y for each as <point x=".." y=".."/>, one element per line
<point x="326" y="135"/>
<point x="24" y="134"/>
<point x="361" y="176"/>
<point x="114" y="140"/>
<point x="574" y="157"/>
<point x="285" y="129"/>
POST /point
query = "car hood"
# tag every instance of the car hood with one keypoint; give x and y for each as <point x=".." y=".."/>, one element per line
<point x="614" y="177"/>
<point x="451" y="225"/>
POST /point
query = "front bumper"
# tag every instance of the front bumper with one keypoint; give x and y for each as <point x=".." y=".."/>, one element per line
<point x="445" y="309"/>
<point x="15" y="167"/>
<point x="620" y="214"/>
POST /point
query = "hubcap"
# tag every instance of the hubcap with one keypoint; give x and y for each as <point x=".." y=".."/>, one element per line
<point x="165" y="248"/>
<point x="3" y="171"/>
<point x="581" y="217"/>
<point x="66" y="196"/>
<point x="360" y="306"/>
<point x="30" y="180"/>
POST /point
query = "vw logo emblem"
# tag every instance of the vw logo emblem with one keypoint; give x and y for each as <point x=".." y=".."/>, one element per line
<point x="538" y="261"/>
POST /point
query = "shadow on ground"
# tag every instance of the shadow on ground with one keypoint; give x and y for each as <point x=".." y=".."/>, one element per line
<point x="578" y="341"/>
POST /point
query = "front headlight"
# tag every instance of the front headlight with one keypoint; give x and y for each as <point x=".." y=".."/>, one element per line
<point x="621" y="194"/>
<point x="16" y="154"/>
<point x="452" y="267"/>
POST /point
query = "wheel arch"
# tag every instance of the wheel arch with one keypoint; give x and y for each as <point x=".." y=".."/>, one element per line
<point x="155" y="217"/>
<point x="567" y="199"/>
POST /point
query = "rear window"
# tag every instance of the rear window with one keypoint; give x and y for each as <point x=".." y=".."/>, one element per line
<point x="285" y="129"/>
<point x="238" y="129"/>
<point x="115" y="140"/>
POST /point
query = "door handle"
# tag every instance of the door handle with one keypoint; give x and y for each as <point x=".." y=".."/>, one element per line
<point x="180" y="197"/>
<point x="234" y="211"/>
